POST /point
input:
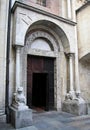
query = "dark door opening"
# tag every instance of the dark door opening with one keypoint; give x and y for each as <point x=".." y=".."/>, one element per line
<point x="39" y="88"/>
<point x="40" y="82"/>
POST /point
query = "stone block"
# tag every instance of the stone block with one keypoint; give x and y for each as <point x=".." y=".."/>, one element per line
<point x="74" y="107"/>
<point x="88" y="107"/>
<point x="21" y="118"/>
<point x="2" y="118"/>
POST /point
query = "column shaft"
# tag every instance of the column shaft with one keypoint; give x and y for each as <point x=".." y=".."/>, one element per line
<point x="17" y="68"/>
<point x="71" y="74"/>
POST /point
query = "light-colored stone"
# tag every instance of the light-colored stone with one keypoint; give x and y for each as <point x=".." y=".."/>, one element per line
<point x="83" y="31"/>
<point x="74" y="107"/>
<point x="19" y="100"/>
<point x="21" y="118"/>
<point x="49" y="31"/>
<point x="3" y="42"/>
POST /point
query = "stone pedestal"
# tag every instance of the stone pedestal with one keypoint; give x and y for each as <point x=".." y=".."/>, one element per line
<point x="77" y="107"/>
<point x="21" y="115"/>
<point x="21" y="118"/>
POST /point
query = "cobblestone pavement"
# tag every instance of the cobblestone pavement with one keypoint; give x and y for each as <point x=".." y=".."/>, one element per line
<point x="54" y="121"/>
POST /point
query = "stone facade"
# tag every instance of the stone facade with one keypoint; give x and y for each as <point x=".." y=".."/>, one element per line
<point x="84" y="48"/>
<point x="3" y="44"/>
<point x="46" y="29"/>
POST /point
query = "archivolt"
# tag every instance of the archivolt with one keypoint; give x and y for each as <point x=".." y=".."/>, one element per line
<point x="42" y="34"/>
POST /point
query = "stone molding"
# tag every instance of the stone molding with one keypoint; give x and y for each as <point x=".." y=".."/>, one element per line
<point x="86" y="3"/>
<point x="70" y="55"/>
<point x="23" y="5"/>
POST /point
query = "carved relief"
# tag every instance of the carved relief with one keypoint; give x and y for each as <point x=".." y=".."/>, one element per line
<point x="41" y="34"/>
<point x="26" y="19"/>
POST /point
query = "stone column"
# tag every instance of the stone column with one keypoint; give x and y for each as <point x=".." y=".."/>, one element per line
<point x="18" y="97"/>
<point x="21" y="115"/>
<point x="17" y="68"/>
<point x="72" y="99"/>
<point x="69" y="9"/>
<point x="71" y="91"/>
<point x="77" y="84"/>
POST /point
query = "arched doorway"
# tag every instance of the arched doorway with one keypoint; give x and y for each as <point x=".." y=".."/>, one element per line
<point x="40" y="71"/>
<point x="45" y="43"/>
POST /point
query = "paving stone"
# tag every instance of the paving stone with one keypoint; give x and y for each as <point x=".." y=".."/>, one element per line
<point x="42" y="125"/>
<point x="52" y="121"/>
<point x="69" y="128"/>
<point x="56" y="124"/>
<point x="28" y="128"/>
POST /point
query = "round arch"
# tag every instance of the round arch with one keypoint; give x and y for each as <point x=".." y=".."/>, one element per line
<point x="52" y="30"/>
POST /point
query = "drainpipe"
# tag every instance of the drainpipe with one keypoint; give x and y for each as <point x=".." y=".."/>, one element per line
<point x="7" y="65"/>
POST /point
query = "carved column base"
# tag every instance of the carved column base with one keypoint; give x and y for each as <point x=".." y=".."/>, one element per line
<point x="72" y="94"/>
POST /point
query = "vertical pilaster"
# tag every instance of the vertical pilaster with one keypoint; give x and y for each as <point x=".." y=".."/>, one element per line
<point x="69" y="15"/>
<point x="73" y="10"/>
<point x="19" y="100"/>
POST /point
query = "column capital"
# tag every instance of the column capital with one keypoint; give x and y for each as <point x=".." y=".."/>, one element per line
<point x="18" y="47"/>
<point x="70" y="55"/>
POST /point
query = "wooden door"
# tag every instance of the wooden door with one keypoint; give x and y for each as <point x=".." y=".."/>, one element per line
<point x="36" y="64"/>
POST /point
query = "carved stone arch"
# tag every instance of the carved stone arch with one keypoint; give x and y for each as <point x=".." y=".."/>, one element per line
<point x="39" y="34"/>
<point x="56" y="31"/>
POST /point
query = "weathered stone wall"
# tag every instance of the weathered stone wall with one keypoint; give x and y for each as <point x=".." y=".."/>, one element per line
<point x="24" y="18"/>
<point x="51" y="6"/>
<point x="85" y="80"/>
<point x="3" y="42"/>
<point x="83" y="28"/>
<point x="57" y="7"/>
<point x="83" y="31"/>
